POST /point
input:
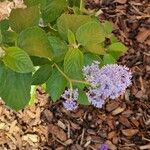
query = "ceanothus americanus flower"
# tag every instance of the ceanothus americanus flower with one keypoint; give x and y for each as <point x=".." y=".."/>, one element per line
<point x="108" y="82"/>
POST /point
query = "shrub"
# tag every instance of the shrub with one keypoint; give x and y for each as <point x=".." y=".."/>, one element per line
<point x="49" y="43"/>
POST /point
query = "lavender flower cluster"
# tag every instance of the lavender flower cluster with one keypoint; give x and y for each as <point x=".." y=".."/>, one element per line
<point x="108" y="82"/>
<point x="71" y="97"/>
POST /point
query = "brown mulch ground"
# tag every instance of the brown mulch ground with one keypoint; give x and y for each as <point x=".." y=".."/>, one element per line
<point x="124" y="124"/>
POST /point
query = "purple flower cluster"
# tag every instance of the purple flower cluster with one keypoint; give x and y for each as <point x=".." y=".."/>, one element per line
<point x="108" y="82"/>
<point x="71" y="97"/>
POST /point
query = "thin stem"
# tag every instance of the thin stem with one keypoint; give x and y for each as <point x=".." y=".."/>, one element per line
<point x="62" y="72"/>
<point x="79" y="81"/>
<point x="68" y="79"/>
<point x="81" y="5"/>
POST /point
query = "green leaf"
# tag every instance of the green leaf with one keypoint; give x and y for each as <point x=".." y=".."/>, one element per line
<point x="20" y="19"/>
<point x="42" y="75"/>
<point x="82" y="99"/>
<point x="74" y="3"/>
<point x="4" y="25"/>
<point x="30" y="3"/>
<point x="53" y="9"/>
<point x="90" y="58"/>
<point x="117" y="49"/>
<point x="9" y="37"/>
<point x="14" y="88"/>
<point x="114" y="39"/>
<point x="55" y="85"/>
<point x="18" y="60"/>
<point x="95" y="48"/>
<point x="72" y="22"/>
<point x="90" y="33"/>
<point x="73" y="64"/>
<point x="59" y="48"/>
<point x="108" y="27"/>
<point x="35" y="42"/>
<point x="71" y="37"/>
<point x="38" y="61"/>
<point x="108" y="59"/>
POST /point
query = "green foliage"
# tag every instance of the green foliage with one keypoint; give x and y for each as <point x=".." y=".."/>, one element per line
<point x="30" y="3"/>
<point x="18" y="60"/>
<point x="83" y="100"/>
<point x="107" y="27"/>
<point x="71" y="37"/>
<point x="4" y="25"/>
<point x="89" y="58"/>
<point x="91" y="32"/>
<point x="14" y="87"/>
<point x="59" y="48"/>
<point x="116" y="49"/>
<point x="9" y="37"/>
<point x="73" y="64"/>
<point x="70" y="22"/>
<point x="35" y="42"/>
<point x="53" y="9"/>
<point x="21" y="19"/>
<point x="42" y="74"/>
<point x="108" y="59"/>
<point x="55" y="85"/>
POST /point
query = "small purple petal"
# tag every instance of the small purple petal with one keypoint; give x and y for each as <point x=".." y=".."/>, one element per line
<point x="103" y="147"/>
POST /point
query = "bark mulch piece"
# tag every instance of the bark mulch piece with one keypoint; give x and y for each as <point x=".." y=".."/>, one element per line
<point x="124" y="123"/>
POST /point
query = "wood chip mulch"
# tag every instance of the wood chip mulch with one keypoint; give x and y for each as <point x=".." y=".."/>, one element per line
<point x="123" y="124"/>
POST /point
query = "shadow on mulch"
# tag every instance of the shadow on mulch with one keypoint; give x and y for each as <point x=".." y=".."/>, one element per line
<point x="124" y="124"/>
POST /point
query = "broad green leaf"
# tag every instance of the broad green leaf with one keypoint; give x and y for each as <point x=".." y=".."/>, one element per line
<point x="82" y="99"/>
<point x="59" y="48"/>
<point x="90" y="33"/>
<point x="117" y="49"/>
<point x="108" y="27"/>
<point x="95" y="48"/>
<point x="4" y="25"/>
<point x="53" y="9"/>
<point x="42" y="74"/>
<point x="38" y="61"/>
<point x="35" y="42"/>
<point x="90" y="58"/>
<point x="72" y="22"/>
<point x="55" y="85"/>
<point x="14" y="87"/>
<point x="73" y="64"/>
<point x="20" y="19"/>
<point x="9" y="37"/>
<point x="108" y="59"/>
<point x="71" y="37"/>
<point x="18" y="60"/>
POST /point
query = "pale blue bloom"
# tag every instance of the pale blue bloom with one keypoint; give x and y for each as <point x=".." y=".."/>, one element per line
<point x="108" y="82"/>
<point x="70" y="97"/>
